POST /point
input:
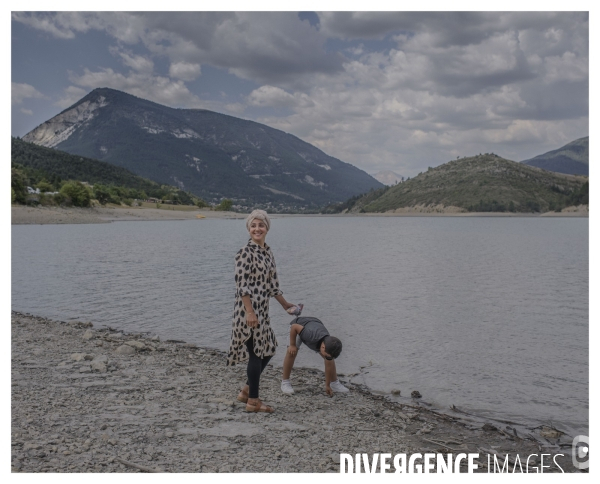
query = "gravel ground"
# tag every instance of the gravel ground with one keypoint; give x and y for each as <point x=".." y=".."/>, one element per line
<point x="21" y="214"/>
<point x="100" y="400"/>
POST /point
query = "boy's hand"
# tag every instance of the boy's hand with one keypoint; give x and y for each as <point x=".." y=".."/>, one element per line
<point x="328" y="390"/>
<point x="292" y="350"/>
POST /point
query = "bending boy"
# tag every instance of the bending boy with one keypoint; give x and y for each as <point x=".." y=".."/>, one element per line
<point x="314" y="335"/>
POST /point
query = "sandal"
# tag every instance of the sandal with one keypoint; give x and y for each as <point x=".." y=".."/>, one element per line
<point x="242" y="396"/>
<point x="259" y="407"/>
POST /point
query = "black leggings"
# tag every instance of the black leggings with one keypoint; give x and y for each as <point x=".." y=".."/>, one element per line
<point x="256" y="366"/>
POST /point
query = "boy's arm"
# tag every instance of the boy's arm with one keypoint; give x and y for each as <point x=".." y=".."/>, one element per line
<point x="328" y="389"/>
<point x="295" y="330"/>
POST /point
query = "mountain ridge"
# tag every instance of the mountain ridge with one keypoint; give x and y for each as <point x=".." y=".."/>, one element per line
<point x="481" y="183"/>
<point x="210" y="154"/>
<point x="572" y="158"/>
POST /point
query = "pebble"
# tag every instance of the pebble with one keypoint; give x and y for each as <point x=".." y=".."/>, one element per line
<point x="99" y="366"/>
<point x="89" y="334"/>
<point x="150" y="411"/>
<point x="125" y="350"/>
<point x="138" y="345"/>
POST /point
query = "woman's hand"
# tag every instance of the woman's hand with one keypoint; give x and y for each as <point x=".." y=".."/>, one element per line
<point x="292" y="350"/>
<point x="251" y="319"/>
<point x="284" y="304"/>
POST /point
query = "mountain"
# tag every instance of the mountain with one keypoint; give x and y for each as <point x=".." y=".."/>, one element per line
<point x="573" y="158"/>
<point x="209" y="154"/>
<point x="481" y="183"/>
<point x="388" y="177"/>
<point x="52" y="165"/>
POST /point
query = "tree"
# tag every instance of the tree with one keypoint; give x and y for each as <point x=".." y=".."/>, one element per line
<point x="18" y="183"/>
<point x="225" y="205"/>
<point x="77" y="192"/>
<point x="101" y="193"/>
<point x="44" y="186"/>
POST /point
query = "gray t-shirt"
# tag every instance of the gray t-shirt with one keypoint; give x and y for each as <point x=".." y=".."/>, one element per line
<point x="313" y="333"/>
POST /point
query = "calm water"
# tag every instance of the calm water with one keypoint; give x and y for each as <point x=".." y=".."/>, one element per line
<point x="488" y="314"/>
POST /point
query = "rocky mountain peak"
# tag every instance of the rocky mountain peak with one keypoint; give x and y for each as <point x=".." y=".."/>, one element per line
<point x="210" y="154"/>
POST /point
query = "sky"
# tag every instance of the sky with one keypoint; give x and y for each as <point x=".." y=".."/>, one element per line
<point x="397" y="91"/>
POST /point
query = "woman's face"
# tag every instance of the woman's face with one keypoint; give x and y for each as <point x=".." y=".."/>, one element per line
<point x="258" y="231"/>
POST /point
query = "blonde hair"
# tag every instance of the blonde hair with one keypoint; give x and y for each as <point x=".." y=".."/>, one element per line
<point x="260" y="215"/>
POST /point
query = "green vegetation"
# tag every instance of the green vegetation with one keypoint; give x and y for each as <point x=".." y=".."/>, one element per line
<point x="225" y="205"/>
<point x="77" y="192"/>
<point x="356" y="203"/>
<point x="18" y="184"/>
<point x="484" y="183"/>
<point x="55" y="171"/>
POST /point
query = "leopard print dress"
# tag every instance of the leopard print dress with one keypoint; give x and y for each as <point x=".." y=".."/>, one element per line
<point x="256" y="276"/>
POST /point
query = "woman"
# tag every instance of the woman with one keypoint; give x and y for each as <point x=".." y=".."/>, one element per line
<point x="256" y="281"/>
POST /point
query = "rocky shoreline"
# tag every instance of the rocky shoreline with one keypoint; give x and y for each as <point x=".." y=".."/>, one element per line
<point x="88" y="399"/>
<point x="24" y="215"/>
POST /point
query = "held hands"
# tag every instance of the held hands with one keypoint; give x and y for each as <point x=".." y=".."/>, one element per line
<point x="252" y="320"/>
<point x="292" y="350"/>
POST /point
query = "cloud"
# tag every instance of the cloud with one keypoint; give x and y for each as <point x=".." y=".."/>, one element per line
<point x="71" y="95"/>
<point x="267" y="47"/>
<point x="138" y="63"/>
<point x="185" y="71"/>
<point x="270" y="96"/>
<point x="382" y="90"/>
<point x="28" y="112"/>
<point x="62" y="25"/>
<point x="233" y="108"/>
<point x="363" y="25"/>
<point x="22" y="91"/>
<point x="147" y="86"/>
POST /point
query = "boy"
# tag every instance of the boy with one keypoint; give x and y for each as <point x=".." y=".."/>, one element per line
<point x="312" y="333"/>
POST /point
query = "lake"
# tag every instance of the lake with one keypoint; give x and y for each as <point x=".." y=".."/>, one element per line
<point x="489" y="314"/>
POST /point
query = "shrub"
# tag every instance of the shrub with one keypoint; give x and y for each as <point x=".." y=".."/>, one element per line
<point x="77" y="192"/>
<point x="101" y="193"/>
<point x="47" y="200"/>
<point x="44" y="186"/>
<point x="32" y="200"/>
<point x="128" y="202"/>
<point x="18" y="183"/>
<point x="225" y="205"/>
<point x="61" y="199"/>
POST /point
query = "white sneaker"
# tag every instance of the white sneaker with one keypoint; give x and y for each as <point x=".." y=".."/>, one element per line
<point x="337" y="387"/>
<point x="286" y="387"/>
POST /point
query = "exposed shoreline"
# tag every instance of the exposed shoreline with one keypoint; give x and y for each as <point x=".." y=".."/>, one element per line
<point x="88" y="399"/>
<point x="24" y="215"/>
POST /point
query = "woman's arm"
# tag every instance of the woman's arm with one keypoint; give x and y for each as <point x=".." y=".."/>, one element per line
<point x="284" y="304"/>
<point x="242" y="274"/>
<point x="251" y="318"/>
